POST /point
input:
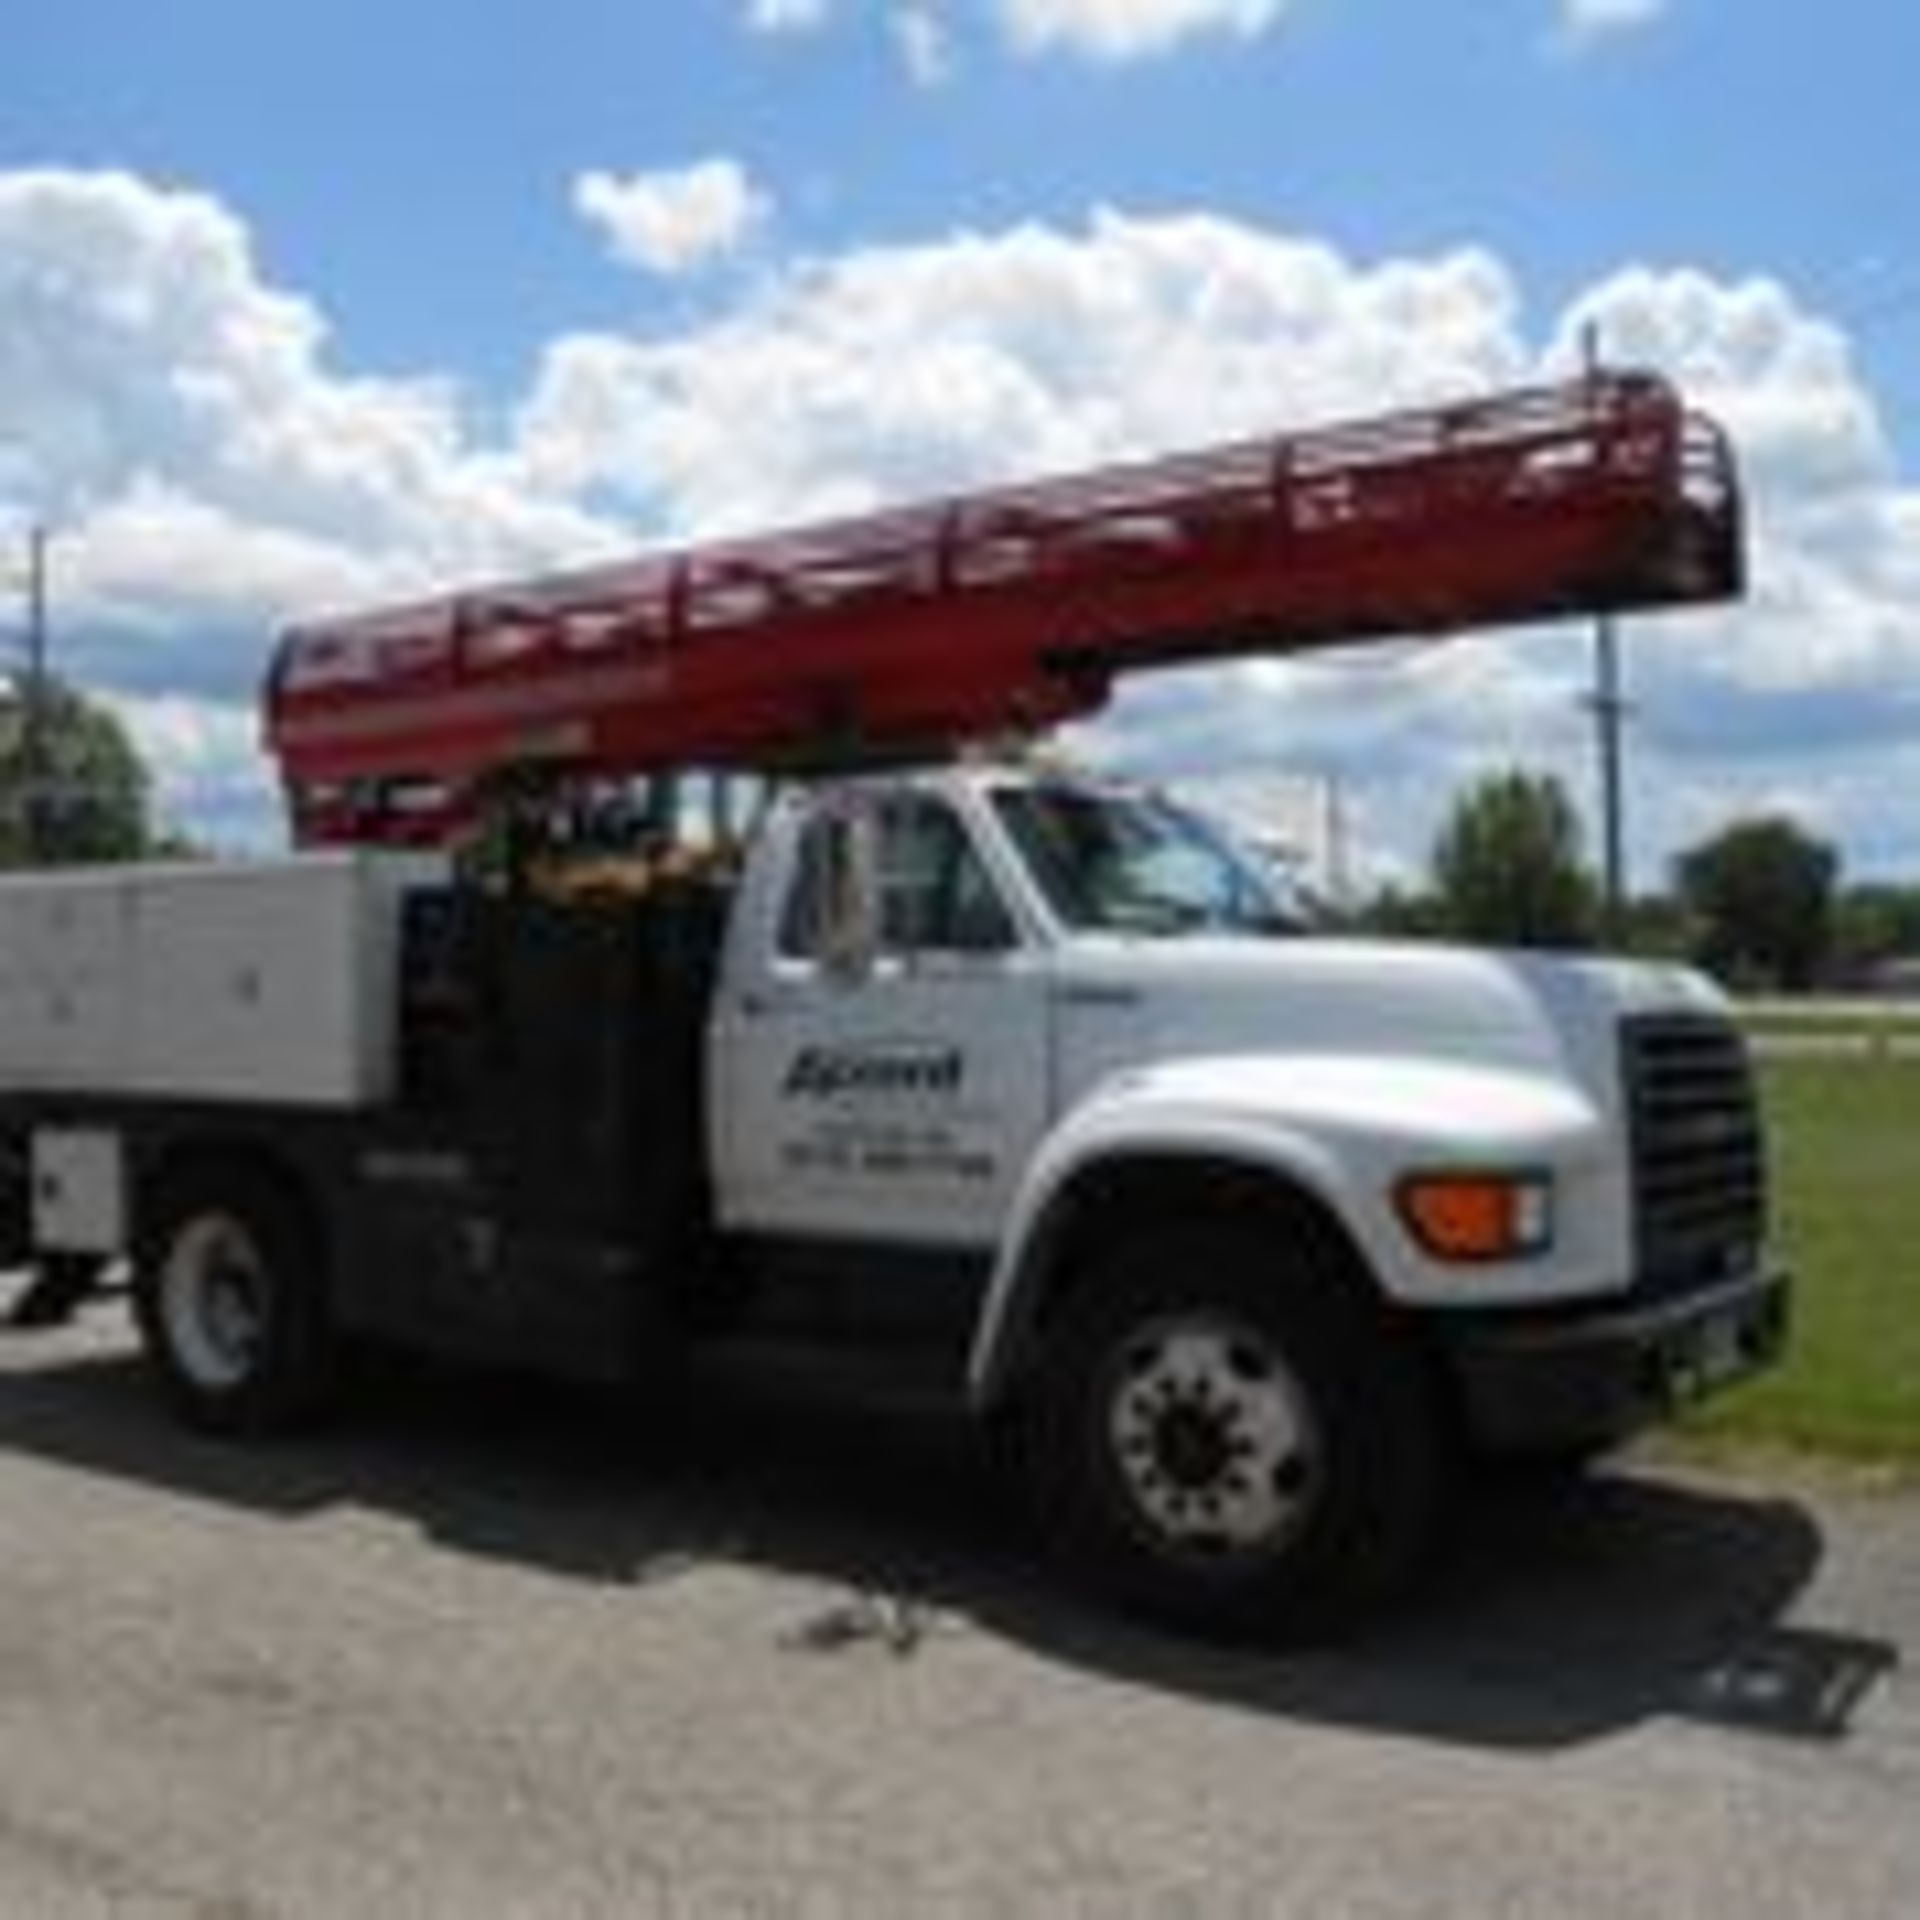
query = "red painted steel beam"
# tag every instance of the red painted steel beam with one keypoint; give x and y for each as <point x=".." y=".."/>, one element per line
<point x="911" y="631"/>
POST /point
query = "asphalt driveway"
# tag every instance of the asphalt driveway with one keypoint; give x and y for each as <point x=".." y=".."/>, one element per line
<point x="488" y="1650"/>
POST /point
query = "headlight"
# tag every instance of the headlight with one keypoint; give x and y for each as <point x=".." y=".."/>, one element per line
<point x="1478" y="1216"/>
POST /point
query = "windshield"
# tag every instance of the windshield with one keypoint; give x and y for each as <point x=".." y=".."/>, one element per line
<point x="1137" y="863"/>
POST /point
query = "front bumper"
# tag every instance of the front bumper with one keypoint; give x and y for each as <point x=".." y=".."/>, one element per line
<point x="1584" y="1377"/>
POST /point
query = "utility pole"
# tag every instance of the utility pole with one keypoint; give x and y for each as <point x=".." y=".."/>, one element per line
<point x="1609" y="710"/>
<point x="33" y="704"/>
<point x="1335" y="825"/>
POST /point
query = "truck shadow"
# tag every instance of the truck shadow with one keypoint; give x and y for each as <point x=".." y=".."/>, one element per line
<point x="1555" y="1618"/>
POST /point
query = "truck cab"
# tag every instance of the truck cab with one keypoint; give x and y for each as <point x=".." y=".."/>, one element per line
<point x="946" y="999"/>
<point x="1068" y="1030"/>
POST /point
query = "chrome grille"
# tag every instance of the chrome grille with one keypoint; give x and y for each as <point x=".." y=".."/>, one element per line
<point x="1699" y="1178"/>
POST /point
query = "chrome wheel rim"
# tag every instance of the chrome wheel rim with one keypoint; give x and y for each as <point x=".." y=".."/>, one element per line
<point x="1213" y="1438"/>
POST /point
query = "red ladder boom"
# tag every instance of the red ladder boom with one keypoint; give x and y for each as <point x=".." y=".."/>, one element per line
<point x="901" y="634"/>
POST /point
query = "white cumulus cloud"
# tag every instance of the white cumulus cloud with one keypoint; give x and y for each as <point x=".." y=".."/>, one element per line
<point x="1584" y="21"/>
<point x="786" y="16"/>
<point x="179" y="421"/>
<point x="210" y="779"/>
<point x="887" y="372"/>
<point x="210" y="470"/>
<point x="926" y="35"/>
<point x="206" y="470"/>
<point x="1118" y="30"/>
<point x="675" y="220"/>
<point x="924" y="41"/>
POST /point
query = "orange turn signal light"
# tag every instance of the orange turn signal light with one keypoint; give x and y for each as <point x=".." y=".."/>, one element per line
<point x="1478" y="1216"/>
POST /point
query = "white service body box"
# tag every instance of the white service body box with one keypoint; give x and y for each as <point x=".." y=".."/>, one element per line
<point x="271" y="980"/>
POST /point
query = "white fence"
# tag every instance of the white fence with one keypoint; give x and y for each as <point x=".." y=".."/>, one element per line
<point x="1832" y="1028"/>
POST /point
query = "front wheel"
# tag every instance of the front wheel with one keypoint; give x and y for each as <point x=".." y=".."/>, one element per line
<point x="1231" y="1440"/>
<point x="230" y="1297"/>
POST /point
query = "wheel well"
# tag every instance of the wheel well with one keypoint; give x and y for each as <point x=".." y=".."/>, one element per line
<point x="1111" y="1203"/>
<point x="213" y="1160"/>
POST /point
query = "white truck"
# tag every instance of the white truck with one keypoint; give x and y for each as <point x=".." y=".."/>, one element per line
<point x="1022" y="1084"/>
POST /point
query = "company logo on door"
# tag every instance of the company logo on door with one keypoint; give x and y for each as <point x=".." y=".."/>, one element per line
<point x="875" y="1067"/>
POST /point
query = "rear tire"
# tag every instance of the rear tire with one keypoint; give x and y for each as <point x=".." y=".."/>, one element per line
<point x="230" y="1297"/>
<point x="1229" y="1438"/>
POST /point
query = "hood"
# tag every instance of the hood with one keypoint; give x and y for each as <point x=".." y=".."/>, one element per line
<point x="1134" y="1002"/>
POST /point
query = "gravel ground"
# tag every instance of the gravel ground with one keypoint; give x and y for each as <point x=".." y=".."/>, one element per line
<point x="491" y="1651"/>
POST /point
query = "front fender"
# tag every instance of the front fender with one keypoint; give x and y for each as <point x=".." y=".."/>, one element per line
<point x="1343" y="1132"/>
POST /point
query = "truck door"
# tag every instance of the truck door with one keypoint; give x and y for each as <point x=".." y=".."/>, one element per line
<point x="895" y="1093"/>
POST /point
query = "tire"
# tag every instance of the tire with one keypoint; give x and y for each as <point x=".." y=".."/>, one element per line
<point x="1228" y="1438"/>
<point x="230" y="1297"/>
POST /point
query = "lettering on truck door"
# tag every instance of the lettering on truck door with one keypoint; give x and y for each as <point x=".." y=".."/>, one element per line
<point x="893" y="1095"/>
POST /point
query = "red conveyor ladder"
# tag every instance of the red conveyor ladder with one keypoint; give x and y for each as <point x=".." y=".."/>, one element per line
<point x="902" y="634"/>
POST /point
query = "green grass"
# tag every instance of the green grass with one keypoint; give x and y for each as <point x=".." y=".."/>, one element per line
<point x="1865" y="1026"/>
<point x="1845" y="1141"/>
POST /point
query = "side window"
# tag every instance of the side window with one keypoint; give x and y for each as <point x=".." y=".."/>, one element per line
<point x="936" y="895"/>
<point x="822" y="896"/>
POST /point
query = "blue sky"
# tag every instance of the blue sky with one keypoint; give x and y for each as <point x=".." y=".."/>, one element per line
<point x="411" y="177"/>
<point x="408" y="162"/>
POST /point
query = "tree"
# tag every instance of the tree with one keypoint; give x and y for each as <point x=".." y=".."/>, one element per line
<point x="1398" y="913"/>
<point x="1761" y="893"/>
<point x="1507" y="866"/>
<point x="81" y="795"/>
<point x="1874" y="922"/>
<point x="1655" y="926"/>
